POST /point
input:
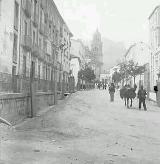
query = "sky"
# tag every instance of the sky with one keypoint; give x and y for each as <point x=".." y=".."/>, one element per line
<point x="118" y="20"/>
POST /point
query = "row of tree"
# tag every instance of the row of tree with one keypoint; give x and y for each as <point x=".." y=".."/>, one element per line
<point x="127" y="70"/>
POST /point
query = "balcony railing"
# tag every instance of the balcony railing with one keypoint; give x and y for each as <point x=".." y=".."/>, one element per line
<point x="27" y="42"/>
<point x="27" y="8"/>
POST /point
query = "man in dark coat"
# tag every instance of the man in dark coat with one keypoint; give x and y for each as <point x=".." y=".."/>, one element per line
<point x="111" y="92"/>
<point x="142" y="97"/>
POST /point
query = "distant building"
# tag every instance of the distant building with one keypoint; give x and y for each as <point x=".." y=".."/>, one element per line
<point x="140" y="54"/>
<point x="77" y="58"/>
<point x="97" y="55"/>
<point x="154" y="37"/>
<point x="105" y="78"/>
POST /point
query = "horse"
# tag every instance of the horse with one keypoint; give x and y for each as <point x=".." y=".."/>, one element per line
<point x="127" y="93"/>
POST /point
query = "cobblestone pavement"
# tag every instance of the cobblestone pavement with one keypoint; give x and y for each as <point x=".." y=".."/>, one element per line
<point x="85" y="128"/>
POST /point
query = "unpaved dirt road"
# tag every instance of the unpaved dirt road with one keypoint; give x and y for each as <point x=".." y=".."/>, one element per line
<point x="85" y="129"/>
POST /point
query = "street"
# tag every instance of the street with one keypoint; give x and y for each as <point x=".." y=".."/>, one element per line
<point x="85" y="128"/>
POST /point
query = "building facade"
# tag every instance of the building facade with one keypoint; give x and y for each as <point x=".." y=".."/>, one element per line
<point x="97" y="58"/>
<point x="37" y="44"/>
<point x="154" y="37"/>
<point x="10" y="39"/>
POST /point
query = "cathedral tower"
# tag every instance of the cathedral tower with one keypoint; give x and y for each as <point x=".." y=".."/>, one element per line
<point x="96" y="48"/>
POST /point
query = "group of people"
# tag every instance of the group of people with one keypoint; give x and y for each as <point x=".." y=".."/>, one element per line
<point x="103" y="85"/>
<point x="141" y="95"/>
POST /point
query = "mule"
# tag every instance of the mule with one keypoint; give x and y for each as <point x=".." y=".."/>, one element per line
<point x="127" y="94"/>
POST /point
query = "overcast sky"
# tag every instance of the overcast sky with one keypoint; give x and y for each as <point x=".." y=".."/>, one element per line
<point x="118" y="20"/>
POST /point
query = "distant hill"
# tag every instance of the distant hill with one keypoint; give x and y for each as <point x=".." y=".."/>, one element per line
<point x="112" y="52"/>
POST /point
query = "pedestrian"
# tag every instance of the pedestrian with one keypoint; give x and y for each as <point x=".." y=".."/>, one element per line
<point x="111" y="92"/>
<point x="142" y="97"/>
<point x="99" y="85"/>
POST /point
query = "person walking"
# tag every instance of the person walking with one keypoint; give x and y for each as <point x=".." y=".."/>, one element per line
<point x="142" y="97"/>
<point x="111" y="92"/>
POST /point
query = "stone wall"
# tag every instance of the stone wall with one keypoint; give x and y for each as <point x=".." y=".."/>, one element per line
<point x="16" y="107"/>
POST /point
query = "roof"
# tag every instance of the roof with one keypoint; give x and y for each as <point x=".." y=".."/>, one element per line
<point x="61" y="17"/>
<point x="154" y="11"/>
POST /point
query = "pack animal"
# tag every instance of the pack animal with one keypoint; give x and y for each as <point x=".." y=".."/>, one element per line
<point x="127" y="93"/>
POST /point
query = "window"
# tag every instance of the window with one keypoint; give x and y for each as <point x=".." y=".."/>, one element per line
<point x="45" y="18"/>
<point x="158" y="37"/>
<point x="45" y="46"/>
<point x="44" y="71"/>
<point x="34" y="8"/>
<point x="40" y="43"/>
<point x="24" y="66"/>
<point x="33" y="70"/>
<point x="34" y="37"/>
<point x="39" y="69"/>
<point x="15" y="48"/>
<point x="16" y="15"/>
<point x="41" y="15"/>
<point x="50" y="29"/>
<point x="25" y="28"/>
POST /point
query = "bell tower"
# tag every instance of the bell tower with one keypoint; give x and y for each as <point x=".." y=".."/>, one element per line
<point x="96" y="48"/>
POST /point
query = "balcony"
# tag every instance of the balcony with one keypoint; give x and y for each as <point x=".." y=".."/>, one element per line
<point x="26" y="42"/>
<point x="35" y="49"/>
<point x="27" y="8"/>
<point x="35" y="20"/>
<point x="42" y="28"/>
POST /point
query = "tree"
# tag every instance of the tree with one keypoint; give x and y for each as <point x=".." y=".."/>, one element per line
<point x="123" y="71"/>
<point x="130" y="68"/>
<point x="133" y="69"/>
<point x="86" y="74"/>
